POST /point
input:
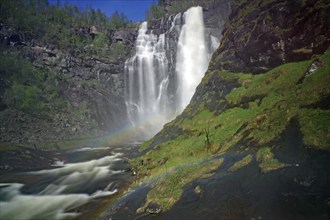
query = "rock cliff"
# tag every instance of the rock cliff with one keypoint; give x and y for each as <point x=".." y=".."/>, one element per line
<point x="91" y="83"/>
<point x="264" y="34"/>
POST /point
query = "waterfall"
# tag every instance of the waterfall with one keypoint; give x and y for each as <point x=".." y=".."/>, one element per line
<point x="192" y="56"/>
<point x="146" y="83"/>
<point x="150" y="100"/>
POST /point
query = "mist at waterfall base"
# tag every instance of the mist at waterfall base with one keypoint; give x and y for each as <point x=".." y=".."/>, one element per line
<point x="154" y="94"/>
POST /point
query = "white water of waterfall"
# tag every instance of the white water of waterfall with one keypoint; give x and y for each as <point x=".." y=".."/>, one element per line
<point x="149" y="103"/>
<point x="192" y="56"/>
<point x="146" y="83"/>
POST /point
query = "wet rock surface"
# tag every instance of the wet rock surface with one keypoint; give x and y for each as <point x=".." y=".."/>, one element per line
<point x="22" y="159"/>
<point x="262" y="35"/>
<point x="297" y="191"/>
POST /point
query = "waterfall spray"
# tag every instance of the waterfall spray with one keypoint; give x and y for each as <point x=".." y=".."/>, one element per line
<point x="149" y="102"/>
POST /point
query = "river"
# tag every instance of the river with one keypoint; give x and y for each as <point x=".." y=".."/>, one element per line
<point x="83" y="176"/>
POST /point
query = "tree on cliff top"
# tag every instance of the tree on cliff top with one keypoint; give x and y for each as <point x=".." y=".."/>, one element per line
<point x="56" y="24"/>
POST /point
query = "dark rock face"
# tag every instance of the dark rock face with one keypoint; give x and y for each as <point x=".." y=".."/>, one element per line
<point x="20" y="127"/>
<point x="262" y="35"/>
<point x="91" y="83"/>
<point x="9" y="36"/>
<point x="213" y="89"/>
<point x="126" y="37"/>
<point x="25" y="159"/>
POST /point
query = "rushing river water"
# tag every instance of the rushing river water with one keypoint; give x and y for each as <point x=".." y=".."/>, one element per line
<point x="55" y="193"/>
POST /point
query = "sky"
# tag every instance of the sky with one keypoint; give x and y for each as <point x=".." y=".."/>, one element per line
<point x="133" y="9"/>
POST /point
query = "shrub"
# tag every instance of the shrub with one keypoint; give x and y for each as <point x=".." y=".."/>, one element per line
<point x="28" y="89"/>
<point x="155" y="12"/>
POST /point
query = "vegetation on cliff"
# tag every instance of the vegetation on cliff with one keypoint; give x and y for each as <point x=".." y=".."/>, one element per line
<point x="58" y="63"/>
<point x="28" y="89"/>
<point x="256" y="113"/>
<point x="62" y="26"/>
<point x="172" y="7"/>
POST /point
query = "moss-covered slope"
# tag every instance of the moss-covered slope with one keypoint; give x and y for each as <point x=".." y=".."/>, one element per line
<point x="253" y="117"/>
<point x="249" y="146"/>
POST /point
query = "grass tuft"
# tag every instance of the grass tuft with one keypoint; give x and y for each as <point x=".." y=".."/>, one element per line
<point x="266" y="160"/>
<point x="242" y="163"/>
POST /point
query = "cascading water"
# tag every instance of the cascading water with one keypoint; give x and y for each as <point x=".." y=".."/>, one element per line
<point x="150" y="103"/>
<point x="54" y="193"/>
<point x="192" y="56"/>
<point x="146" y="83"/>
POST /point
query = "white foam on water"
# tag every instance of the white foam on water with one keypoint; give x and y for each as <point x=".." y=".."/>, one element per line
<point x="57" y="198"/>
<point x="25" y="207"/>
<point x="90" y="149"/>
<point x="82" y="166"/>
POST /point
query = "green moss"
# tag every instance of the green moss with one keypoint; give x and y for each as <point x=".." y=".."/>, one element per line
<point x="226" y="75"/>
<point x="199" y="122"/>
<point x="258" y="113"/>
<point x="282" y="96"/>
<point x="277" y="81"/>
<point x="169" y="188"/>
<point x="242" y="163"/>
<point x="232" y="120"/>
<point x="10" y="146"/>
<point x="145" y="145"/>
<point x="315" y="127"/>
<point x="316" y="85"/>
<point x="266" y="160"/>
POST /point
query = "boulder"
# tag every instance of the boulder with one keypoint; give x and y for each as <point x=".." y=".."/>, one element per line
<point x="153" y="208"/>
